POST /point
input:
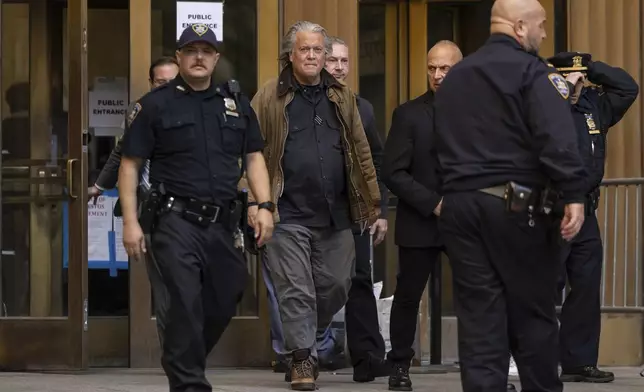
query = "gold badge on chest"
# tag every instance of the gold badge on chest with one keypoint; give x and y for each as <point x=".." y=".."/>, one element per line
<point x="590" y="123"/>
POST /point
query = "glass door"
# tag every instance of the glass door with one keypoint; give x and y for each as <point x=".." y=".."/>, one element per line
<point x="43" y="269"/>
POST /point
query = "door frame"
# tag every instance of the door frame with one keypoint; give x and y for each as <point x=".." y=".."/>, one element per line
<point x="246" y="342"/>
<point x="38" y="343"/>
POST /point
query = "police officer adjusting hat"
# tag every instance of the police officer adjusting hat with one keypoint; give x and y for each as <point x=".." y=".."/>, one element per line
<point x="567" y="62"/>
<point x="198" y="32"/>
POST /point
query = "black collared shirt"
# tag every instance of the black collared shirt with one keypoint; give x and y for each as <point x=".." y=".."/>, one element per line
<point x="193" y="139"/>
<point x="502" y="115"/>
<point x="315" y="183"/>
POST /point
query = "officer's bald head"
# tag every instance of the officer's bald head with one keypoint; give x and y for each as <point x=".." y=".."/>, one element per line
<point x="440" y="59"/>
<point x="521" y="19"/>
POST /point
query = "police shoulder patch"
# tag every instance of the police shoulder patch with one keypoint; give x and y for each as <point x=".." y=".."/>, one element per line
<point x="560" y="84"/>
<point x="136" y="109"/>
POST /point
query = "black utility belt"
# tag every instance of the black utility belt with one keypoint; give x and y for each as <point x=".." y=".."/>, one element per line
<point x="195" y="211"/>
<point x="524" y="199"/>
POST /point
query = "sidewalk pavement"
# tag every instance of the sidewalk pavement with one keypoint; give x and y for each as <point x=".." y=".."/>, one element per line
<point x="236" y="380"/>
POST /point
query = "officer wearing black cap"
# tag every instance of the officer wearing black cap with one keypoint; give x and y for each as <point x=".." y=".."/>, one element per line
<point x="501" y="162"/>
<point x="594" y="109"/>
<point x="194" y="133"/>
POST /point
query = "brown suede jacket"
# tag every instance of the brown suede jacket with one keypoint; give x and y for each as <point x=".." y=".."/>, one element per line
<point x="270" y="104"/>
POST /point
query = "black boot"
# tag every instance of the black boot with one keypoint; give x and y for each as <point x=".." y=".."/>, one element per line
<point x="399" y="379"/>
<point x="586" y="374"/>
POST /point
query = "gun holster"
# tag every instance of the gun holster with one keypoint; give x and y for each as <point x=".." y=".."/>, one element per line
<point x="150" y="208"/>
<point x="236" y="212"/>
<point x="247" y="231"/>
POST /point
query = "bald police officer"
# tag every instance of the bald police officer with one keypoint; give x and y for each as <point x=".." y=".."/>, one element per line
<point x="497" y="159"/>
<point x="595" y="110"/>
<point x="194" y="133"/>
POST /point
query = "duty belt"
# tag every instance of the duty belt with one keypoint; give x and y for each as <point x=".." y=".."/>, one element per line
<point x="195" y="211"/>
<point x="524" y="199"/>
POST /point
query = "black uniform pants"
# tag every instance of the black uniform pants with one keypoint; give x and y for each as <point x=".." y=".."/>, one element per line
<point x="160" y="298"/>
<point x="205" y="277"/>
<point x="414" y="268"/>
<point x="581" y="312"/>
<point x="504" y="274"/>
<point x="361" y="313"/>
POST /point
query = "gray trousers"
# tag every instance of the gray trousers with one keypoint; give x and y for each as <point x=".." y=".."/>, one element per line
<point x="311" y="269"/>
<point x="159" y="291"/>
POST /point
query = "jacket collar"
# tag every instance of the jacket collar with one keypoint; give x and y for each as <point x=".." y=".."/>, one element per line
<point x="287" y="82"/>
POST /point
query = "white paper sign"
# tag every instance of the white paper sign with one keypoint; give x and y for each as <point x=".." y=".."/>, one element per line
<point x="108" y="102"/>
<point x="99" y="224"/>
<point x="211" y="14"/>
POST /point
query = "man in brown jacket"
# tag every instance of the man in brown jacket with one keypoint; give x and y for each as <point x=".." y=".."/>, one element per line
<point x="323" y="180"/>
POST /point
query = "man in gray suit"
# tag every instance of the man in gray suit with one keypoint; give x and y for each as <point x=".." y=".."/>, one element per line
<point x="161" y="72"/>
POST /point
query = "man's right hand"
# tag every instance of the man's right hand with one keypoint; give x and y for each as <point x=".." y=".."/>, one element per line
<point x="572" y="221"/>
<point x="93" y="193"/>
<point x="133" y="240"/>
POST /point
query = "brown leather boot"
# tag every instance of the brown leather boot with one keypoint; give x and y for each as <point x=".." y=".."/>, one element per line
<point x="303" y="371"/>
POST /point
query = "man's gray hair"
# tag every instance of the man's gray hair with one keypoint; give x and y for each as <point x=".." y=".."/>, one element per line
<point x="288" y="42"/>
<point x="333" y="40"/>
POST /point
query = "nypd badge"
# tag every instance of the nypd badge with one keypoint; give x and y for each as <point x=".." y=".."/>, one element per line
<point x="560" y="84"/>
<point x="199" y="28"/>
<point x="229" y="103"/>
<point x="133" y="113"/>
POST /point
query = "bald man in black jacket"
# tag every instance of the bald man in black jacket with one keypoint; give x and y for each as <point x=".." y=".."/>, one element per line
<point x="408" y="171"/>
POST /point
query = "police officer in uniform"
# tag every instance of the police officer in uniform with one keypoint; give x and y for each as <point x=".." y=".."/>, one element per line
<point x="595" y="110"/>
<point x="498" y="158"/>
<point x="194" y="133"/>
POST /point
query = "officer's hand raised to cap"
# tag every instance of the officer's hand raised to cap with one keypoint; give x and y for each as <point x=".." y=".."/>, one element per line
<point x="263" y="226"/>
<point x="575" y="77"/>
<point x="133" y="240"/>
<point x="572" y="220"/>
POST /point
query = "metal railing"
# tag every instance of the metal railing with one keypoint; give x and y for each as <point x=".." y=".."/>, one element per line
<point x="620" y="224"/>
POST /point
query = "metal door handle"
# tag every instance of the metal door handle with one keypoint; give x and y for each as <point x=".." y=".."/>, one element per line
<point x="70" y="178"/>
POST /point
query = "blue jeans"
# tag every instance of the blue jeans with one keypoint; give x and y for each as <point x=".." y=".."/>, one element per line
<point x="326" y="338"/>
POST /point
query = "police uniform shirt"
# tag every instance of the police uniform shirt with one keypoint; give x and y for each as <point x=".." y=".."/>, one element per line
<point x="502" y="115"/>
<point x="193" y="139"/>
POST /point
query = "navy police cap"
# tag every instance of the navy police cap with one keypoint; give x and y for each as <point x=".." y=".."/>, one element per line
<point x="570" y="61"/>
<point x="197" y="32"/>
